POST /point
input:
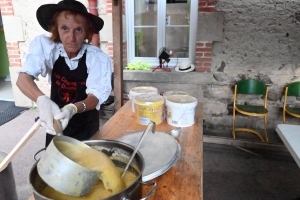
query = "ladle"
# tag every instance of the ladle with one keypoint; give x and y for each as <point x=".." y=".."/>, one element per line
<point x="138" y="145"/>
<point x="175" y="132"/>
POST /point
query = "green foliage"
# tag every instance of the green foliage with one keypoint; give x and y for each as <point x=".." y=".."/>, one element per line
<point x="138" y="66"/>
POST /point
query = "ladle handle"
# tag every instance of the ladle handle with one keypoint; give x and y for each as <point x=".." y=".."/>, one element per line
<point x="57" y="127"/>
<point x="20" y="145"/>
<point x="139" y="143"/>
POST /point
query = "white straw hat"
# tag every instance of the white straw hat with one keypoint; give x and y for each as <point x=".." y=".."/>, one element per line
<point x="185" y="67"/>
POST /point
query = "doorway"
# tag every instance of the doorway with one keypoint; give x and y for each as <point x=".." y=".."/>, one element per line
<point x="6" y="92"/>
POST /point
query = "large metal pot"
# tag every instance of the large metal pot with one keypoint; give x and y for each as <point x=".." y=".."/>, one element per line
<point x="120" y="153"/>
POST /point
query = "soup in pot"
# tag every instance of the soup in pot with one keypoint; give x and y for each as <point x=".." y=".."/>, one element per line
<point x="97" y="192"/>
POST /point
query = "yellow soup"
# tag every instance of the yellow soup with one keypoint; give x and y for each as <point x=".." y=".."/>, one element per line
<point x="110" y="180"/>
<point x="97" y="192"/>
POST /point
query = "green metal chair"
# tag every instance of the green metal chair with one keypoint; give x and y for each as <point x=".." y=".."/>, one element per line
<point x="292" y="89"/>
<point x="250" y="87"/>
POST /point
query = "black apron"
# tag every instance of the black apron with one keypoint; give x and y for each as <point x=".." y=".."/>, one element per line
<point x="69" y="86"/>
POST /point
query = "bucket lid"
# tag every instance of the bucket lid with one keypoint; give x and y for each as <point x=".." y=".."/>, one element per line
<point x="169" y="93"/>
<point x="149" y="99"/>
<point x="182" y="99"/>
<point x="156" y="162"/>
<point x="143" y="89"/>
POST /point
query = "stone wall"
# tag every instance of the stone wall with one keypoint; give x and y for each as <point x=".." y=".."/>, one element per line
<point x="260" y="40"/>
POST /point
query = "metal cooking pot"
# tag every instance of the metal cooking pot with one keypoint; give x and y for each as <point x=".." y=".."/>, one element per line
<point x="120" y="154"/>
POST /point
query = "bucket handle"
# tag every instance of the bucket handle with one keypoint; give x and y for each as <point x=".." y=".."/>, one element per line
<point x="149" y="193"/>
<point x="39" y="151"/>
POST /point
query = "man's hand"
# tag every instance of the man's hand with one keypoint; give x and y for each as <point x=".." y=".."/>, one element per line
<point x="66" y="114"/>
<point x="47" y="110"/>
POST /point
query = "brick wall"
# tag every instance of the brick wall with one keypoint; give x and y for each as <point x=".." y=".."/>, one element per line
<point x="204" y="48"/>
<point x="12" y="47"/>
<point x="203" y="56"/>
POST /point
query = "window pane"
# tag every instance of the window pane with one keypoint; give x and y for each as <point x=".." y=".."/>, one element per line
<point x="177" y="40"/>
<point x="145" y="14"/>
<point x="178" y="14"/>
<point x="145" y="42"/>
<point x="145" y="28"/>
<point x="177" y="28"/>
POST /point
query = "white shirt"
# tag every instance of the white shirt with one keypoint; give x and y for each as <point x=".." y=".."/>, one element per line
<point x="43" y="53"/>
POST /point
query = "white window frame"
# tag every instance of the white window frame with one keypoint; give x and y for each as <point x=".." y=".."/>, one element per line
<point x="154" y="61"/>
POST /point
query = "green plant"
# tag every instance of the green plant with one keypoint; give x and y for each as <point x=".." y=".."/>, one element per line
<point x="138" y="66"/>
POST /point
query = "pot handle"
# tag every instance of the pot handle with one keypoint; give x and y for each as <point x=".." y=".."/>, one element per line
<point x="149" y="193"/>
<point x="39" y="151"/>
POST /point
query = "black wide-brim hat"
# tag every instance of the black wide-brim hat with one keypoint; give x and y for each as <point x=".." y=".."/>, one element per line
<point x="45" y="13"/>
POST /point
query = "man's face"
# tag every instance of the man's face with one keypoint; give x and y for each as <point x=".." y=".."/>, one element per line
<point x="72" y="32"/>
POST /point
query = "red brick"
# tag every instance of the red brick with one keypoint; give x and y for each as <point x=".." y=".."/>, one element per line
<point x="208" y="44"/>
<point x="207" y="54"/>
<point x="16" y="51"/>
<point x="14" y="56"/>
<point x="211" y="3"/>
<point x="203" y="59"/>
<point x="5" y="4"/>
<point x="201" y="49"/>
<point x="199" y="54"/>
<point x="202" y="4"/>
<point x="206" y="65"/>
<point x="7" y="13"/>
<point x="207" y="9"/>
<point x="200" y="44"/>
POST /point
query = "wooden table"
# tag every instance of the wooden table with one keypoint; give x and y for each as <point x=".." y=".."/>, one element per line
<point x="290" y="135"/>
<point x="184" y="180"/>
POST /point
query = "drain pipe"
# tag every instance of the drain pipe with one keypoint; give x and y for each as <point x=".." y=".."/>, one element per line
<point x="93" y="9"/>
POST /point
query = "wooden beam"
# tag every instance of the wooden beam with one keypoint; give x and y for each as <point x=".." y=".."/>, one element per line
<point x="118" y="52"/>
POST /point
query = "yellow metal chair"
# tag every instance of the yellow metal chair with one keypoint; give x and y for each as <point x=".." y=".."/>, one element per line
<point x="250" y="87"/>
<point x="292" y="89"/>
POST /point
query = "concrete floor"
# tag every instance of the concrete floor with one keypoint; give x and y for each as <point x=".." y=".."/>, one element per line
<point x="235" y="173"/>
<point x="229" y="173"/>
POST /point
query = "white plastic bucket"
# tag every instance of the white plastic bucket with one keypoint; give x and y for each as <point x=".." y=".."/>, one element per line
<point x="141" y="90"/>
<point x="170" y="93"/>
<point x="181" y="110"/>
<point x="149" y="107"/>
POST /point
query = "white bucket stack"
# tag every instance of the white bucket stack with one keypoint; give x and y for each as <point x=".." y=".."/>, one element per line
<point x="181" y="110"/>
<point x="141" y="90"/>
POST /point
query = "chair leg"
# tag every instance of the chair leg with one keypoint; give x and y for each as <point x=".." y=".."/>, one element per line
<point x="233" y="124"/>
<point x="266" y="133"/>
<point x="283" y="116"/>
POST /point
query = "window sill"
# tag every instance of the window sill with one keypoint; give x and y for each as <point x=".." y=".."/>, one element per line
<point x="168" y="77"/>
